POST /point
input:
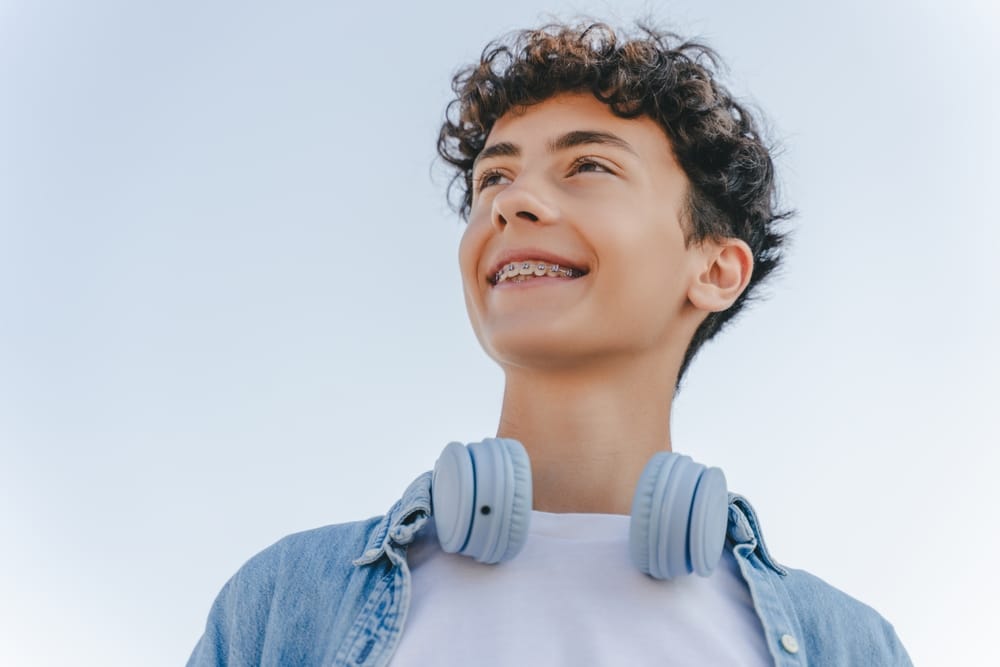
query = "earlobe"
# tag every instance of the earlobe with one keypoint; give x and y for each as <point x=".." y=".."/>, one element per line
<point x="726" y="266"/>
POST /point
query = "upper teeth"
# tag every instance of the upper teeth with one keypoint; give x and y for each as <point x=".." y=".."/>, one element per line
<point x="534" y="268"/>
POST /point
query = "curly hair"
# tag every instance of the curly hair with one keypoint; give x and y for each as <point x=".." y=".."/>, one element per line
<point x="732" y="188"/>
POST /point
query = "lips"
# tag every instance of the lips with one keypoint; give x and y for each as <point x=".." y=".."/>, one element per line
<point x="529" y="263"/>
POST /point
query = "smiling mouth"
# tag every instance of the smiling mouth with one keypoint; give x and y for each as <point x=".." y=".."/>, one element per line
<point x="523" y="271"/>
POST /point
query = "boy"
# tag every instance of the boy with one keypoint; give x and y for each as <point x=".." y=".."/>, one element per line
<point x="621" y="209"/>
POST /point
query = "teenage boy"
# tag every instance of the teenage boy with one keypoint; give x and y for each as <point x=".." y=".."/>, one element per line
<point x="621" y="209"/>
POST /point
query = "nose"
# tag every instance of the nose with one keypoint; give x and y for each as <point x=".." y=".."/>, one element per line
<point x="519" y="201"/>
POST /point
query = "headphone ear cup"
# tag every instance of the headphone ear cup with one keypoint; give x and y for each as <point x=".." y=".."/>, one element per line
<point x="709" y="517"/>
<point x="453" y="494"/>
<point x="481" y="499"/>
<point x="678" y="517"/>
<point x="519" y="513"/>
<point x="643" y="528"/>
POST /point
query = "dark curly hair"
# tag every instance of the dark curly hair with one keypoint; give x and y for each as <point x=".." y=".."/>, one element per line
<point x="732" y="189"/>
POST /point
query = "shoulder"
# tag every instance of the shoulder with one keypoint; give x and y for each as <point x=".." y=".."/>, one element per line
<point x="295" y="599"/>
<point x="836" y="624"/>
<point x="832" y="627"/>
<point x="311" y="548"/>
<point x="302" y="581"/>
<point x="299" y="563"/>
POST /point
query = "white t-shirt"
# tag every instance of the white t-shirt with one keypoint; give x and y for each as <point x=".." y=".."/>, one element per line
<point x="572" y="597"/>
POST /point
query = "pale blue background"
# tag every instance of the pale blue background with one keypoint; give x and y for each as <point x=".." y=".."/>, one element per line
<point x="230" y="307"/>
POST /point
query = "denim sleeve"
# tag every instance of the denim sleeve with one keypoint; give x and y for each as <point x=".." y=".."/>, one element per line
<point x="294" y="602"/>
<point x="235" y="631"/>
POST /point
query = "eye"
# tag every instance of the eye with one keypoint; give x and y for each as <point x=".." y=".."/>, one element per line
<point x="587" y="164"/>
<point x="488" y="178"/>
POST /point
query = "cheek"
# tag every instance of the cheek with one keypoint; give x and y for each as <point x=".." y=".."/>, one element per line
<point x="470" y="256"/>
<point x="478" y="231"/>
<point x="469" y="253"/>
<point x="644" y="266"/>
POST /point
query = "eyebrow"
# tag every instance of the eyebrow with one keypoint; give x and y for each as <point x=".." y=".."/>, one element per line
<point x="503" y="149"/>
<point x="584" y="137"/>
<point x="561" y="143"/>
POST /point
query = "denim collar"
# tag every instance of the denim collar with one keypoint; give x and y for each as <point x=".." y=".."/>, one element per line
<point x="410" y="513"/>
<point x="744" y="530"/>
<point x="402" y="522"/>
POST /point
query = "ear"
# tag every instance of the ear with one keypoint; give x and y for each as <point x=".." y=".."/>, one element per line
<point x="725" y="266"/>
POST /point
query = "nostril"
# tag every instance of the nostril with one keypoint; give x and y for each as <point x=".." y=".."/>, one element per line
<point x="527" y="215"/>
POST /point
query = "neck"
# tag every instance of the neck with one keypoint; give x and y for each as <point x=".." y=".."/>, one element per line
<point x="589" y="432"/>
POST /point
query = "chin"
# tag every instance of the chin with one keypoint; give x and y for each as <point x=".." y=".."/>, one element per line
<point x="539" y="349"/>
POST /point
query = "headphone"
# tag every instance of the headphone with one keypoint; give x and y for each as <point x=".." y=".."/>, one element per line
<point x="481" y="502"/>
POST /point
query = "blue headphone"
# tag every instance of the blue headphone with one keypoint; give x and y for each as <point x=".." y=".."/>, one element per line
<point x="481" y="501"/>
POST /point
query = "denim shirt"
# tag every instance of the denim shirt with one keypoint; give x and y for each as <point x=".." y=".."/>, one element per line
<point x="339" y="595"/>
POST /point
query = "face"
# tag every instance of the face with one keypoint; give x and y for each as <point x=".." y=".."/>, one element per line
<point x="574" y="249"/>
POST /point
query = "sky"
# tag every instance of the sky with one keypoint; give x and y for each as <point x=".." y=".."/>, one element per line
<point x="230" y="306"/>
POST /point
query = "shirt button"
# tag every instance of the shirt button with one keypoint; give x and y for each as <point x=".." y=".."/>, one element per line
<point x="789" y="643"/>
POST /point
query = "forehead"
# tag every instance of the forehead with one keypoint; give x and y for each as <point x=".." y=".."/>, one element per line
<point x="539" y="125"/>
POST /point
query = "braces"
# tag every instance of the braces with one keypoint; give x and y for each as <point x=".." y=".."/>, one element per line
<point x="527" y="268"/>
